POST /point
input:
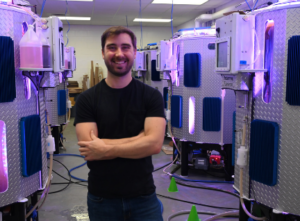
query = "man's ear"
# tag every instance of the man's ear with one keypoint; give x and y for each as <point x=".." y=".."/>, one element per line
<point x="102" y="53"/>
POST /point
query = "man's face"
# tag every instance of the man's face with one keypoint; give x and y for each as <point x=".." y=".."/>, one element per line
<point x="119" y="54"/>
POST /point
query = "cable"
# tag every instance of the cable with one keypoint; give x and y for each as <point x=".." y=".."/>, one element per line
<point x="43" y="5"/>
<point x="187" y="212"/>
<point x="170" y="166"/>
<point x="74" y="177"/>
<point x="202" y="181"/>
<point x="242" y="199"/>
<point x="58" y="191"/>
<point x="141" y="24"/>
<point x="74" y="155"/>
<point x="45" y="191"/>
<point x="64" y="177"/>
<point x="78" y="183"/>
<point x="67" y="9"/>
<point x="208" y="188"/>
<point x="248" y="5"/>
<point x="172" y="18"/>
<point x="199" y="204"/>
<point x="226" y="214"/>
<point x="255" y="5"/>
<point x="159" y="168"/>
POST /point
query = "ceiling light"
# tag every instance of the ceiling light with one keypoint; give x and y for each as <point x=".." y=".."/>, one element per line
<point x="151" y="20"/>
<point x="180" y="2"/>
<point x="75" y="18"/>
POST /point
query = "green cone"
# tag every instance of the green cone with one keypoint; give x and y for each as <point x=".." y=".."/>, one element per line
<point x="173" y="186"/>
<point x="193" y="214"/>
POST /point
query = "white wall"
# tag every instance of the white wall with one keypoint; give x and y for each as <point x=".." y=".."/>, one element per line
<point x="189" y="24"/>
<point x="87" y="42"/>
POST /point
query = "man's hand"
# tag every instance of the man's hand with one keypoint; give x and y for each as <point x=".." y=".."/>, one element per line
<point x="95" y="149"/>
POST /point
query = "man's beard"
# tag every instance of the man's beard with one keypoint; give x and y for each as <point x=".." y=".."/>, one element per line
<point x="117" y="73"/>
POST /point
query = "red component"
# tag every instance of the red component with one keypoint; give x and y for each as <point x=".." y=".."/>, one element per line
<point x="215" y="158"/>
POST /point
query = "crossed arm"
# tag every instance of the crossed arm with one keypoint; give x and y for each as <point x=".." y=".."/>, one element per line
<point x="147" y="143"/>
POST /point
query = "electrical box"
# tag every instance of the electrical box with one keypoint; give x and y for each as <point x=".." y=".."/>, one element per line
<point x="165" y="60"/>
<point x="52" y="29"/>
<point x="70" y="59"/>
<point x="235" y="43"/>
<point x="201" y="163"/>
<point x="140" y="61"/>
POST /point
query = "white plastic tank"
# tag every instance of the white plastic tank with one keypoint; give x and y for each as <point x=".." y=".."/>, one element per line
<point x="45" y="49"/>
<point x="31" y="50"/>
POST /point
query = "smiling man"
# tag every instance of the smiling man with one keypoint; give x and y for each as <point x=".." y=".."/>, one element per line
<point x="120" y="124"/>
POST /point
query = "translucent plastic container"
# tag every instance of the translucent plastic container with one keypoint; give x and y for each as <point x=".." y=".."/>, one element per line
<point x="31" y="50"/>
<point x="45" y="49"/>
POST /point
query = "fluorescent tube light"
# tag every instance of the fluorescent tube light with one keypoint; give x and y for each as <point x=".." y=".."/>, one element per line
<point x="180" y="2"/>
<point x="151" y="20"/>
<point x="75" y="18"/>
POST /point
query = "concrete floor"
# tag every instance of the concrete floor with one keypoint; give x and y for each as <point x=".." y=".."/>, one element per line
<point x="70" y="204"/>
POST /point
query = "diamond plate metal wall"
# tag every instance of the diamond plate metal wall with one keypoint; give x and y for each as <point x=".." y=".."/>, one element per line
<point x="285" y="196"/>
<point x="49" y="80"/>
<point x="263" y="193"/>
<point x="19" y="186"/>
<point x="210" y="87"/>
<point x="51" y="104"/>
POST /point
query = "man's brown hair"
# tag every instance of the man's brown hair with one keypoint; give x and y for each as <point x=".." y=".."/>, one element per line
<point x="116" y="30"/>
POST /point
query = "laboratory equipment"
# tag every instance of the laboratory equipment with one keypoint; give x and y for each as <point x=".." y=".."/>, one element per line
<point x="31" y="52"/>
<point x="201" y="112"/>
<point x="267" y="107"/>
<point x="46" y="50"/>
<point x="165" y="56"/>
<point x="52" y="30"/>
<point x="19" y="187"/>
<point x="70" y="59"/>
<point x="152" y="76"/>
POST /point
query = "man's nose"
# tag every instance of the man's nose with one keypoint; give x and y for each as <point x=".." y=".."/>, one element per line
<point x="119" y="52"/>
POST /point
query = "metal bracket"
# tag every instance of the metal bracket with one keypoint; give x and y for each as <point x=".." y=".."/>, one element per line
<point x="35" y="77"/>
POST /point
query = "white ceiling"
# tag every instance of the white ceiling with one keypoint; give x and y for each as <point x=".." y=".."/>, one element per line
<point x="113" y="12"/>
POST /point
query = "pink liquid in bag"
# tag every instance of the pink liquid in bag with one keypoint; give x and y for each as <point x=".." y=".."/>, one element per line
<point x="31" y="57"/>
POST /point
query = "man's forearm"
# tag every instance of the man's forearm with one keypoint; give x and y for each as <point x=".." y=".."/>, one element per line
<point x="136" y="149"/>
<point x="122" y="140"/>
<point x="118" y="141"/>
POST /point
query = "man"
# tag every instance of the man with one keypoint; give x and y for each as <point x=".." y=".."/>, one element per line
<point x="119" y="124"/>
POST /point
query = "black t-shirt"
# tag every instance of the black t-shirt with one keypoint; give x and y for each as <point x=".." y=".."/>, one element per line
<point x="120" y="113"/>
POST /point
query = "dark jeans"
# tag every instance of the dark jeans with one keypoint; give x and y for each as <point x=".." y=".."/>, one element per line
<point x="142" y="208"/>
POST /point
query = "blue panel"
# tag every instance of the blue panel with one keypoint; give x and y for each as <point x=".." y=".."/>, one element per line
<point x="192" y="29"/>
<point x="176" y="111"/>
<point x="293" y="72"/>
<point x="233" y="138"/>
<point x="30" y="128"/>
<point x="264" y="152"/>
<point x="7" y="70"/>
<point x="152" y="44"/>
<point x="166" y="97"/>
<point x="211" y="114"/>
<point x="61" y="102"/>
<point x="155" y="75"/>
<point x="192" y="70"/>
